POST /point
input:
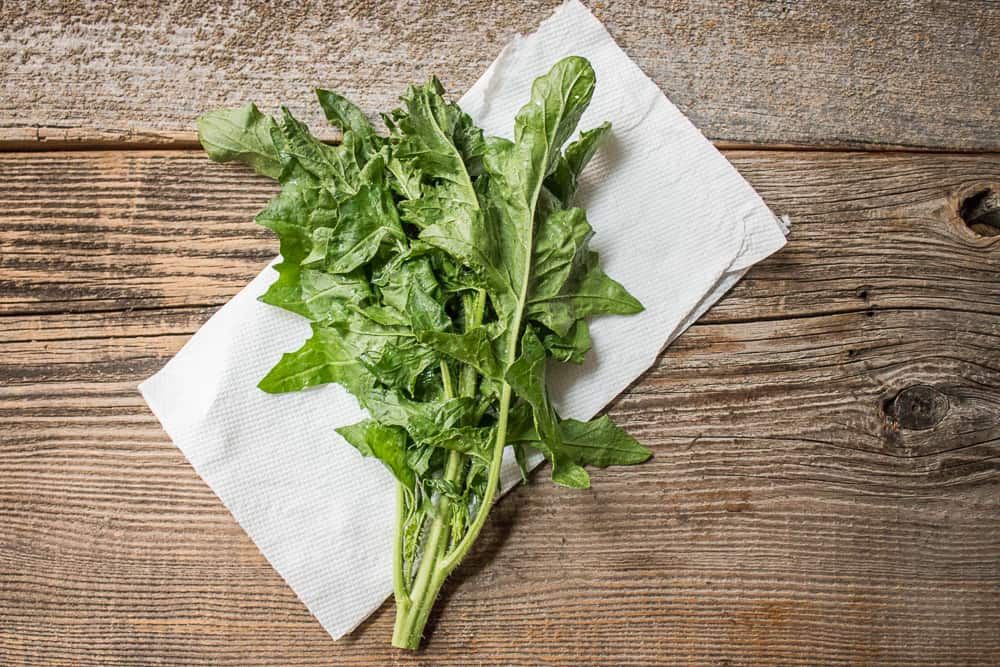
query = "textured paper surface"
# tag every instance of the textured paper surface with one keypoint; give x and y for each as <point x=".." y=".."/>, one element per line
<point x="674" y="222"/>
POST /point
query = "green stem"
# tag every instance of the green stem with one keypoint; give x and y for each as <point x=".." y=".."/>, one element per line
<point x="409" y="626"/>
<point x="423" y="601"/>
<point x="475" y="308"/>
<point x="446" y="380"/>
<point x="412" y="616"/>
<point x="399" y="578"/>
<point x="445" y="563"/>
<point x="451" y="560"/>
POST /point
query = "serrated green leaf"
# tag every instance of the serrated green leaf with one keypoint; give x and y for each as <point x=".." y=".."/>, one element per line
<point x="471" y="440"/>
<point x="337" y="166"/>
<point x="591" y="293"/>
<point x="342" y="113"/>
<point x="526" y="376"/>
<point x="364" y="221"/>
<point x="325" y="357"/>
<point x="313" y="293"/>
<point x="562" y="182"/>
<point x="421" y="419"/>
<point x="473" y="347"/>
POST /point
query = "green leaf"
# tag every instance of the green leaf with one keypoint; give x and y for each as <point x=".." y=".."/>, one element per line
<point x="436" y="141"/>
<point x="522" y="431"/>
<point x="563" y="180"/>
<point x="461" y="230"/>
<point x="572" y="347"/>
<point x="337" y="166"/>
<point x="342" y="113"/>
<point x="596" y="293"/>
<point x="313" y="294"/>
<point x="355" y="351"/>
<point x="242" y="134"/>
<point x="560" y="246"/>
<point x="386" y="443"/>
<point x="565" y="471"/>
<point x="430" y="325"/>
<point x="517" y="170"/>
<point x="389" y="352"/>
<point x="424" y="460"/>
<point x="286" y="291"/>
<point x="400" y="364"/>
<point x="600" y="442"/>
<point x="345" y="249"/>
<point x="436" y="136"/>
<point x="364" y="221"/>
<point x="300" y="207"/>
<point x="422" y="419"/>
<point x="325" y="357"/>
<point x="404" y="273"/>
<point x="473" y="347"/>
<point x="526" y="376"/>
<point x="591" y="293"/>
<point x="440" y="272"/>
<point x="427" y="315"/>
<point x="407" y="179"/>
<point x="471" y="440"/>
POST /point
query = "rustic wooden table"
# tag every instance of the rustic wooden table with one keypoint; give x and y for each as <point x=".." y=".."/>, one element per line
<point x="827" y="438"/>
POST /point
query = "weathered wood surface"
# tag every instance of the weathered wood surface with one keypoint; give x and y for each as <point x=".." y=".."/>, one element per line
<point x="827" y="445"/>
<point x="843" y="72"/>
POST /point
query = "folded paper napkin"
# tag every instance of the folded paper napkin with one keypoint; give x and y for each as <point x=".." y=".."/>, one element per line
<point x="675" y="223"/>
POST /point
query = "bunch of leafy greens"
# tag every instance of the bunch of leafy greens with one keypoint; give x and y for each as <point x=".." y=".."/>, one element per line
<point x="441" y="271"/>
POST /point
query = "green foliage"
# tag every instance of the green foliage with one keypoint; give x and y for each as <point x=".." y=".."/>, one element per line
<point x="442" y="272"/>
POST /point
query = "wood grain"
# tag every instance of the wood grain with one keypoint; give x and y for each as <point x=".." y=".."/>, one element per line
<point x="840" y="73"/>
<point x="132" y="230"/>
<point x="797" y="511"/>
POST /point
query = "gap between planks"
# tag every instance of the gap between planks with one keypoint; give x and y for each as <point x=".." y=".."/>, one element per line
<point x="41" y="140"/>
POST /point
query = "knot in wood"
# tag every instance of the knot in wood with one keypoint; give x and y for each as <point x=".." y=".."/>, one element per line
<point x="918" y="407"/>
<point x="981" y="212"/>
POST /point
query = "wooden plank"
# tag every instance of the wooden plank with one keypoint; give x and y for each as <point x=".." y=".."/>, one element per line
<point x="920" y="74"/>
<point x="798" y="510"/>
<point x="124" y="230"/>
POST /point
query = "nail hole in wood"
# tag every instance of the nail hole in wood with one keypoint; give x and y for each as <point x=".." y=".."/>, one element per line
<point x="917" y="408"/>
<point x="981" y="212"/>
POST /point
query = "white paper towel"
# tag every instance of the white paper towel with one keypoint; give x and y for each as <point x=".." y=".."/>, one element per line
<point x="675" y="223"/>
